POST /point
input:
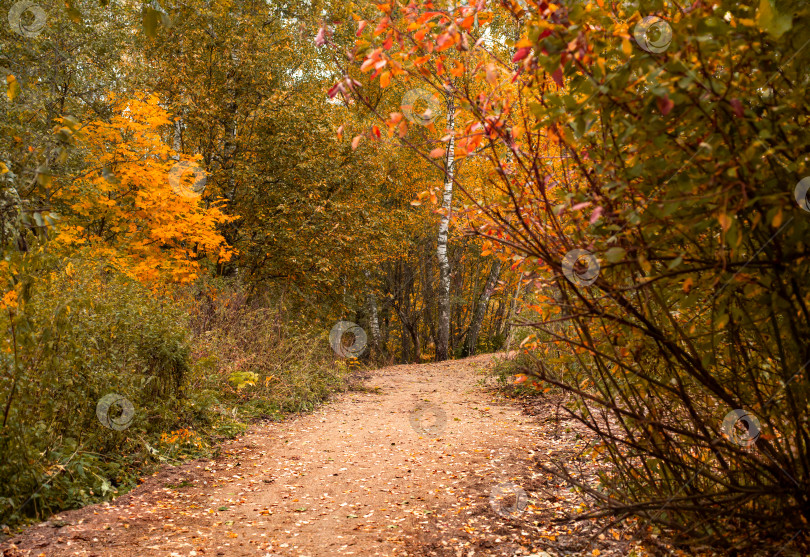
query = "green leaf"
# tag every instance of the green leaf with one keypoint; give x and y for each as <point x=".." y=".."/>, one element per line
<point x="771" y="21"/>
<point x="71" y="122"/>
<point x="614" y="255"/>
<point x="73" y="14"/>
<point x="675" y="262"/>
<point x="44" y="176"/>
<point x="150" y="21"/>
<point x="107" y="174"/>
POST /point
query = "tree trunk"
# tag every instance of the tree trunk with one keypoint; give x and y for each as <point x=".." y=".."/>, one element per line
<point x="406" y="343"/>
<point x="177" y="143"/>
<point x="386" y="329"/>
<point x="459" y="311"/>
<point x="443" y="336"/>
<point x="373" y="317"/>
<point x="512" y="316"/>
<point x="481" y="309"/>
<point x="427" y="296"/>
<point x="494" y="319"/>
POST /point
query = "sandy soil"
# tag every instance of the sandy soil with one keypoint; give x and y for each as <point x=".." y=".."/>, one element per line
<point x="411" y="465"/>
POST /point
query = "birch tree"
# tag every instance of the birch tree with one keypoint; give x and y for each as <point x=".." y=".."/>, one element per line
<point x="443" y="340"/>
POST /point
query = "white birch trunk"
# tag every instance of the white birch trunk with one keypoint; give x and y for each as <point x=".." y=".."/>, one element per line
<point x="443" y="340"/>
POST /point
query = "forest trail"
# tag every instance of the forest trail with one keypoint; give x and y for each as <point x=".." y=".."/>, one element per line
<point x="352" y="478"/>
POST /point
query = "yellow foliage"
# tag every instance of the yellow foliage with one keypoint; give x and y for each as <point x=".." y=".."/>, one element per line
<point x="9" y="300"/>
<point x="131" y="207"/>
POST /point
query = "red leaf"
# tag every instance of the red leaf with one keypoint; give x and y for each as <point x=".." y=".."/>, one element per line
<point x="521" y="53"/>
<point x="320" y="38"/>
<point x="596" y="214"/>
<point x="360" y="27"/>
<point x="665" y="104"/>
<point x="738" y="107"/>
<point x="557" y="76"/>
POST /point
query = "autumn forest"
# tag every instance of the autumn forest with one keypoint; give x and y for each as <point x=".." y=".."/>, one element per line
<point x="220" y="218"/>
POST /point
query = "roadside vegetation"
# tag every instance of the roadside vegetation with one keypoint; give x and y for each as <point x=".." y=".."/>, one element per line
<point x="181" y="370"/>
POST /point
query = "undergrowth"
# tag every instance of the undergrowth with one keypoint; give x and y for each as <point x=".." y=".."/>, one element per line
<point x="179" y="370"/>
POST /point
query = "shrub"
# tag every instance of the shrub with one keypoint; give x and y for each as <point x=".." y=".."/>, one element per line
<point x="83" y="331"/>
<point x="667" y="146"/>
<point x="687" y="353"/>
<point x="260" y="358"/>
<point x="84" y="341"/>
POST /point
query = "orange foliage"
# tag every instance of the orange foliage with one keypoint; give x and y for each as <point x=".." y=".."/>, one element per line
<point x="131" y="208"/>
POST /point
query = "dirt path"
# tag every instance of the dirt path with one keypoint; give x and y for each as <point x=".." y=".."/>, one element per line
<point x="353" y="478"/>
